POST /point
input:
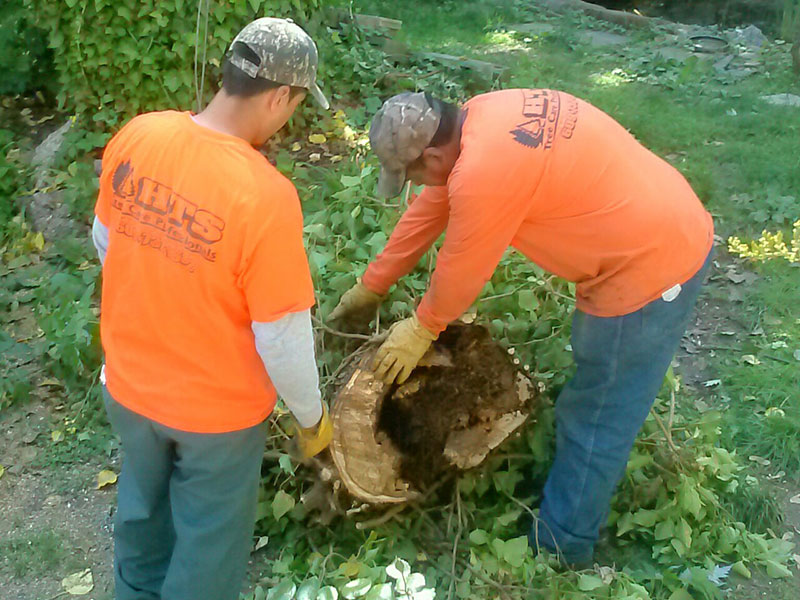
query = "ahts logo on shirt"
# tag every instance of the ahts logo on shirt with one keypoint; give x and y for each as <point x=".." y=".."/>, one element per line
<point x="154" y="215"/>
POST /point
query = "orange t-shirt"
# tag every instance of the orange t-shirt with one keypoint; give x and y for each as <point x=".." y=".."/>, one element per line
<point x="566" y="185"/>
<point x="205" y="236"/>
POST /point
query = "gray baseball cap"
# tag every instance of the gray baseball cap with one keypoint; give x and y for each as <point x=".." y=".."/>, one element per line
<point x="288" y="55"/>
<point x="401" y="129"/>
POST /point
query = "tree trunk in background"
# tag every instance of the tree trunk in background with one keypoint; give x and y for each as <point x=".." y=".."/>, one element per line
<point x="618" y="17"/>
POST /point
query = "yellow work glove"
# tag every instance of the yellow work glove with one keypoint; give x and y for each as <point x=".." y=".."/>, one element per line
<point x="408" y="341"/>
<point x="313" y="440"/>
<point x="356" y="302"/>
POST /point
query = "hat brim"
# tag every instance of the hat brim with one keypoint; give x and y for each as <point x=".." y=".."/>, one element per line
<point x="390" y="183"/>
<point x="319" y="96"/>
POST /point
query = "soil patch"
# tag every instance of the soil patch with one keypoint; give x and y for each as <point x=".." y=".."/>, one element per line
<point x="474" y="385"/>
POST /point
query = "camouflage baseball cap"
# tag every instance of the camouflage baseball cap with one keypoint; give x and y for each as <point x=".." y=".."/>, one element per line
<point x="401" y="129"/>
<point x="288" y="55"/>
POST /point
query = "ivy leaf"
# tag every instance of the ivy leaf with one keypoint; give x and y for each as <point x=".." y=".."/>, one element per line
<point x="328" y="593"/>
<point x="527" y="300"/>
<point x="282" y="504"/>
<point x="645" y="518"/>
<point x="514" y="551"/>
<point x="777" y="570"/>
<point x="587" y="583"/>
<point x="478" y="537"/>
<point x="740" y="569"/>
<point x="689" y="499"/>
<point x="356" y="588"/>
<point x="380" y="592"/>
<point x="283" y="591"/>
<point x="286" y="465"/>
<point x="680" y="594"/>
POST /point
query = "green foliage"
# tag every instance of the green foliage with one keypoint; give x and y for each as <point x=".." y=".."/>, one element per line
<point x="25" y="61"/>
<point x="116" y="58"/>
<point x="790" y="20"/>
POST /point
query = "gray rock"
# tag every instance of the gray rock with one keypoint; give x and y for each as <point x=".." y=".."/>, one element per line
<point x="782" y="99"/>
<point x="49" y="215"/>
<point x="751" y="36"/>
<point x="45" y="153"/>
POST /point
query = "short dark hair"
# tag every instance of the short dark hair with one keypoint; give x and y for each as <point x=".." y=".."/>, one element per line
<point x="448" y="120"/>
<point x="236" y="82"/>
<point x="448" y="123"/>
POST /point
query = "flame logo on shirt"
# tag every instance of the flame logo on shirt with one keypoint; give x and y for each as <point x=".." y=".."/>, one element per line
<point x="122" y="180"/>
<point x="540" y="109"/>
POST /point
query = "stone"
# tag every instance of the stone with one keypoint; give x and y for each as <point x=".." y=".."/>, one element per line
<point x="45" y="153"/>
<point x="782" y="99"/>
<point x="750" y="36"/>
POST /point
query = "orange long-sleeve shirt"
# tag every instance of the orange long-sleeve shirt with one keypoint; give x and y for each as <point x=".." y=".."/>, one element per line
<point x="566" y="185"/>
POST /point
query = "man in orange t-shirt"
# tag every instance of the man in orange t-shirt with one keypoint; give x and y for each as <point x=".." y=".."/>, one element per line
<point x="571" y="189"/>
<point x="205" y="318"/>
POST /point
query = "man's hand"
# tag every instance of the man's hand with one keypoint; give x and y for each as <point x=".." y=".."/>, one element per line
<point x="356" y="303"/>
<point x="407" y="342"/>
<point x="313" y="440"/>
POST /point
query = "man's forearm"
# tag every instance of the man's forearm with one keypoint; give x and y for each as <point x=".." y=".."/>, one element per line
<point x="415" y="233"/>
<point x="286" y="347"/>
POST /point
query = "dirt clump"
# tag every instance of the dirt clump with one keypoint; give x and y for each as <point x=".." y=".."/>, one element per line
<point x="470" y="382"/>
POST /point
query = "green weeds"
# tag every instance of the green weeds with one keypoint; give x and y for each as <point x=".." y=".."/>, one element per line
<point x="37" y="554"/>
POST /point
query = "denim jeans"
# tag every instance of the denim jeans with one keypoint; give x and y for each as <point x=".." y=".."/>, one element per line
<point x="621" y="363"/>
<point x="186" y="505"/>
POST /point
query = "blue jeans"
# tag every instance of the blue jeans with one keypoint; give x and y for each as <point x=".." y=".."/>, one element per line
<point x="621" y="363"/>
<point x="186" y="505"/>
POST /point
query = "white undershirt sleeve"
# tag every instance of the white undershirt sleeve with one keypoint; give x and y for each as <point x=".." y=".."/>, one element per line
<point x="286" y="347"/>
<point x="100" y="239"/>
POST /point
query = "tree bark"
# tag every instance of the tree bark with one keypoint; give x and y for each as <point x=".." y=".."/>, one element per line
<point x="618" y="17"/>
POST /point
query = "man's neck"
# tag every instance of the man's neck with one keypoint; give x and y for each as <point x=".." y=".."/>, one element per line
<point x="224" y="114"/>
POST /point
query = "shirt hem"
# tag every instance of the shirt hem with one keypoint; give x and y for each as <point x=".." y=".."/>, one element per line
<point x="179" y="425"/>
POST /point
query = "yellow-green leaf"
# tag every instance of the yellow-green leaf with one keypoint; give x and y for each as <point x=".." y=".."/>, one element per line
<point x="38" y="241"/>
<point x="2" y="470"/>
<point x="317" y="138"/>
<point x="57" y="436"/>
<point x="587" y="583"/>
<point x="740" y="569"/>
<point x="79" y="583"/>
<point x="680" y="594"/>
<point x="106" y="477"/>
<point x="776" y="569"/>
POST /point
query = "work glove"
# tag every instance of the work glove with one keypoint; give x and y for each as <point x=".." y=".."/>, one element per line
<point x="358" y="302"/>
<point x="313" y="440"/>
<point x="408" y="341"/>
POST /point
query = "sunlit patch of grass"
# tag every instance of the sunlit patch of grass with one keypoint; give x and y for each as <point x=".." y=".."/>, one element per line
<point x="612" y="78"/>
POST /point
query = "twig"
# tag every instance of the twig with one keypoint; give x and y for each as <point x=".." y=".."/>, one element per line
<point x="459" y="532"/>
<point x="667" y="434"/>
<point x="353" y="336"/>
<point x="671" y="410"/>
<point x="380" y="520"/>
